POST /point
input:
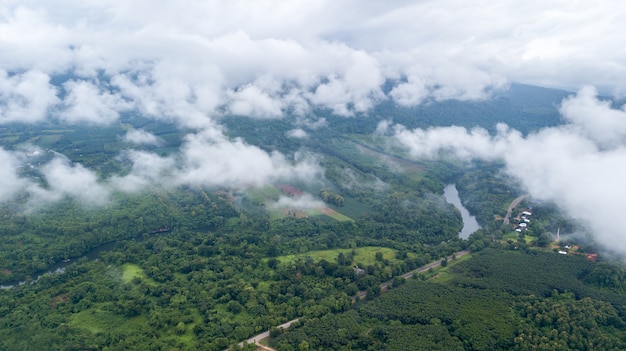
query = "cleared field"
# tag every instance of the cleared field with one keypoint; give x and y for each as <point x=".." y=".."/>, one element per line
<point x="131" y="271"/>
<point x="47" y="141"/>
<point x="269" y="194"/>
<point x="352" y="208"/>
<point x="262" y="195"/>
<point x="98" y="320"/>
<point x="279" y="213"/>
<point x="334" y="214"/>
<point x="409" y="168"/>
<point x="515" y="235"/>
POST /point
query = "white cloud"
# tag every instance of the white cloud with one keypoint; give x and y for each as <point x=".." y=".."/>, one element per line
<point x="148" y="170"/>
<point x="297" y="133"/>
<point x="170" y="90"/>
<point x="252" y="101"/>
<point x="604" y="125"/>
<point x="189" y="63"/>
<point x="356" y="88"/>
<point x="31" y="40"/>
<point x="476" y="143"/>
<point x="311" y="124"/>
<point x="86" y="102"/>
<point x="11" y="184"/>
<point x="303" y="202"/>
<point x="206" y="159"/>
<point x="25" y="97"/>
<point x="65" y="179"/>
<point x="462" y="47"/>
<point x="141" y="137"/>
<point x="209" y="159"/>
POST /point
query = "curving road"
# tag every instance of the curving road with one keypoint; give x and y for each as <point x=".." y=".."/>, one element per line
<point x="361" y="294"/>
<point x="255" y="339"/>
<point x="422" y="269"/>
<point x="511" y="207"/>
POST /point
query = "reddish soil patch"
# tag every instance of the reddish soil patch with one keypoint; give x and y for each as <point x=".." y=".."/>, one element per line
<point x="290" y="190"/>
<point x="59" y="298"/>
<point x="5" y="271"/>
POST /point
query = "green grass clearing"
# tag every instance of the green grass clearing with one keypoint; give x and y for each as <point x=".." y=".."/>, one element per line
<point x="131" y="271"/>
<point x="263" y="194"/>
<point x="352" y="207"/>
<point x="363" y="255"/>
<point x="98" y="320"/>
<point x="327" y="211"/>
<point x="515" y="236"/>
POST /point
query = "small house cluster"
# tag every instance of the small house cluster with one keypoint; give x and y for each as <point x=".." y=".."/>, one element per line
<point x="523" y="219"/>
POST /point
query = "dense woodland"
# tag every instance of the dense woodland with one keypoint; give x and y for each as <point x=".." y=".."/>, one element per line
<point x="205" y="268"/>
<point x="498" y="300"/>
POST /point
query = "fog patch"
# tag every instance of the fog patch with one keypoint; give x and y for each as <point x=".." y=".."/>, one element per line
<point x="142" y="137"/>
<point x="12" y="184"/>
<point x="303" y="202"/>
<point x="297" y="133"/>
<point x="65" y="179"/>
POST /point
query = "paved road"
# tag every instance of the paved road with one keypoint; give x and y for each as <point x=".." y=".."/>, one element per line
<point x="255" y="339"/>
<point x="385" y="285"/>
<point x="361" y="294"/>
<point x="511" y="207"/>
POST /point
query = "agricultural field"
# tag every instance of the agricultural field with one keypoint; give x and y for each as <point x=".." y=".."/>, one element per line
<point x="295" y="203"/>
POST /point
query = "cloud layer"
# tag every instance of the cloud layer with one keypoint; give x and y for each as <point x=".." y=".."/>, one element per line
<point x="206" y="159"/>
<point x="195" y="60"/>
<point x="580" y="166"/>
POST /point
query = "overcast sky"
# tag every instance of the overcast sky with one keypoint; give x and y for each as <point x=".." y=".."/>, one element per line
<point x="188" y="59"/>
<point x="193" y="61"/>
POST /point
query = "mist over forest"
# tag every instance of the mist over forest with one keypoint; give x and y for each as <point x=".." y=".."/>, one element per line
<point x="199" y="173"/>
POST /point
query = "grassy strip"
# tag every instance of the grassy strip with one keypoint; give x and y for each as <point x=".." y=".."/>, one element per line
<point x="363" y="255"/>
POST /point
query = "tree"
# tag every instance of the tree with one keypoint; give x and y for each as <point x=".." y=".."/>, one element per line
<point x="373" y="291"/>
<point x="180" y="328"/>
<point x="303" y="346"/>
<point x="342" y="260"/>
<point x="544" y="239"/>
<point x="273" y="263"/>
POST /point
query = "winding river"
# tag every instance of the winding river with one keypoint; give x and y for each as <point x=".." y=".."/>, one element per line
<point x="59" y="267"/>
<point x="93" y="254"/>
<point x="470" y="224"/>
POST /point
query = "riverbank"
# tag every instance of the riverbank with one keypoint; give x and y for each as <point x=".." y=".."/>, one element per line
<point x="470" y="225"/>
